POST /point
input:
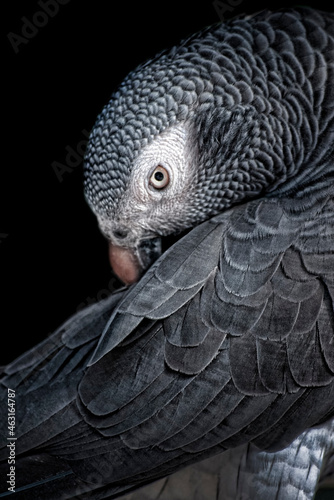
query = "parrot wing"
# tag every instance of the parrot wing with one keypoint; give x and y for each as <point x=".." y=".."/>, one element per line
<point x="227" y="340"/>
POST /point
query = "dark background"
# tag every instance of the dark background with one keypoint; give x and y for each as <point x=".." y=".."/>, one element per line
<point x="53" y="260"/>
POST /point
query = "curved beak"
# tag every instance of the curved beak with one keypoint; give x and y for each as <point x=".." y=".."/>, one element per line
<point x="129" y="264"/>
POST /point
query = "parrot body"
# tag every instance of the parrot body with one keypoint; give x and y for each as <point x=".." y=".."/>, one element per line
<point x="222" y="348"/>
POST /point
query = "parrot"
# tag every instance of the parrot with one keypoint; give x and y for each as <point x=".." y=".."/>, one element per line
<point x="210" y="373"/>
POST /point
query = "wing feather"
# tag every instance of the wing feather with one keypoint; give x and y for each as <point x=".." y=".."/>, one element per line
<point x="239" y="350"/>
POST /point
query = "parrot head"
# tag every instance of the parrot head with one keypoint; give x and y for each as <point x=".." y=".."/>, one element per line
<point x="174" y="146"/>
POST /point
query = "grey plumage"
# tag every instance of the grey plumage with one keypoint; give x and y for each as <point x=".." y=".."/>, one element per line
<point x="243" y="473"/>
<point x="256" y="98"/>
<point x="226" y="342"/>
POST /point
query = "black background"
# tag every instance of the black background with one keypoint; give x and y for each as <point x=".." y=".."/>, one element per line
<point x="53" y="259"/>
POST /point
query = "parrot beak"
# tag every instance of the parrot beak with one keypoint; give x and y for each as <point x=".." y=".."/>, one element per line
<point x="129" y="264"/>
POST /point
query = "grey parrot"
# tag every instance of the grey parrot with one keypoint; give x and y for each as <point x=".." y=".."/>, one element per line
<point x="210" y="374"/>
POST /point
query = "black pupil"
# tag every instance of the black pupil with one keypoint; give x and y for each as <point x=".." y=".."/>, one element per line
<point x="158" y="176"/>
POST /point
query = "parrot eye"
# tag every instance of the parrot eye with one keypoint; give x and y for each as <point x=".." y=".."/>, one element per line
<point x="159" y="178"/>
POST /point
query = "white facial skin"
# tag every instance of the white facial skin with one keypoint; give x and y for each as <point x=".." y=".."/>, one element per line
<point x="147" y="209"/>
